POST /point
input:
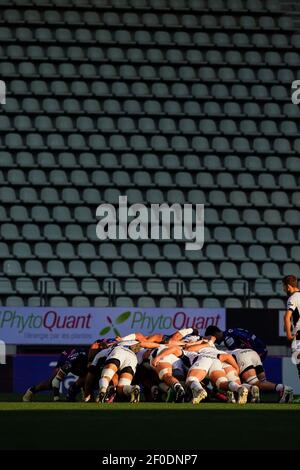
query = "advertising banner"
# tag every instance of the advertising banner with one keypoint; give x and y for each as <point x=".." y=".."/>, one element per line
<point x="48" y="325"/>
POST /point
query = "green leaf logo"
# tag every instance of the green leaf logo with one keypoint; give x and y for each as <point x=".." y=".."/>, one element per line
<point x="123" y="317"/>
<point x="104" y="331"/>
<point x="120" y="319"/>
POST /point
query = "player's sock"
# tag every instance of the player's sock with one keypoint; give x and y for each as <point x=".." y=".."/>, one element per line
<point x="164" y="387"/>
<point x="247" y="386"/>
<point x="179" y="392"/>
<point x="233" y="387"/>
<point x="127" y="389"/>
<point x="195" y="386"/>
<point x="103" y="383"/>
<point x="279" y="387"/>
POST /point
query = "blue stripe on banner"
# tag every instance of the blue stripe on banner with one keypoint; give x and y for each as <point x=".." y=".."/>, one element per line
<point x="30" y="370"/>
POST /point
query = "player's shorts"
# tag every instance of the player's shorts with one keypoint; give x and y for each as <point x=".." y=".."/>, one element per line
<point x="208" y="364"/>
<point x="246" y="359"/>
<point x="124" y="356"/>
<point x="178" y="368"/>
<point x="99" y="359"/>
<point x="170" y="359"/>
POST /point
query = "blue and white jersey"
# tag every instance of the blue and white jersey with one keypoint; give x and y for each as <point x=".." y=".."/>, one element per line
<point x="239" y="338"/>
<point x="73" y="361"/>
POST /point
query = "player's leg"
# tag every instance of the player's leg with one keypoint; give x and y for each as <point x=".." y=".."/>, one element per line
<point x="44" y="386"/>
<point x="218" y="377"/>
<point x="149" y="382"/>
<point x="91" y="381"/>
<point x="253" y="390"/>
<point x="125" y="388"/>
<point x="75" y="388"/>
<point x="165" y="374"/>
<point x="108" y="371"/>
<point x="112" y="389"/>
<point x="194" y="378"/>
<point x="232" y="376"/>
<point x="285" y="392"/>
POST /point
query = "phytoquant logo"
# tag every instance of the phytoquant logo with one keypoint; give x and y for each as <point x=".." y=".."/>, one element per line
<point x="150" y="322"/>
<point x="50" y="320"/>
<point x="122" y="318"/>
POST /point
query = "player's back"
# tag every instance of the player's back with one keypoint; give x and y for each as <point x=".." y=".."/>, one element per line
<point x="239" y="338"/>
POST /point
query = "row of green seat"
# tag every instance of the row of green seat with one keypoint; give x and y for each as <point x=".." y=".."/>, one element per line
<point x="147" y="251"/>
<point x="171" y="21"/>
<point x="143" y="302"/>
<point x="82" y="233"/>
<point x="143" y="179"/>
<point x="148" y="125"/>
<point x="148" y="39"/>
<point x="158" y="90"/>
<point x="149" y="162"/>
<point x="177" y="5"/>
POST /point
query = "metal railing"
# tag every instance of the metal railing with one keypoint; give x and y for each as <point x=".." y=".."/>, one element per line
<point x="248" y="291"/>
<point x="243" y="289"/>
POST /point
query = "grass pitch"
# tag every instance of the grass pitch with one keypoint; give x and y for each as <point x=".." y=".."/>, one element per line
<point x="42" y="425"/>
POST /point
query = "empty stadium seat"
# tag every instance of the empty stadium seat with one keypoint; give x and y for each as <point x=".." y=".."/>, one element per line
<point x="148" y="128"/>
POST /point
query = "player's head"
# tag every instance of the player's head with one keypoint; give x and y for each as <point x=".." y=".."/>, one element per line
<point x="290" y="284"/>
<point x="212" y="330"/>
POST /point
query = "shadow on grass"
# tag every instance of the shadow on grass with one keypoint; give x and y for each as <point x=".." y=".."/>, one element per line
<point x="149" y="429"/>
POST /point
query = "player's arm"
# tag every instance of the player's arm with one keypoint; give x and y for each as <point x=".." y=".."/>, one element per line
<point x="203" y="343"/>
<point x="178" y="335"/>
<point x="229" y="359"/>
<point x="131" y="337"/>
<point x="165" y="352"/>
<point x="149" y="344"/>
<point x="287" y="324"/>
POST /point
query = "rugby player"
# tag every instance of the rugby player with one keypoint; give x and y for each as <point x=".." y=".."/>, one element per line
<point x="73" y="361"/>
<point x="163" y="362"/>
<point x="235" y="338"/>
<point x="292" y="317"/>
<point x="121" y="359"/>
<point x="252" y="372"/>
<point x="160" y="338"/>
